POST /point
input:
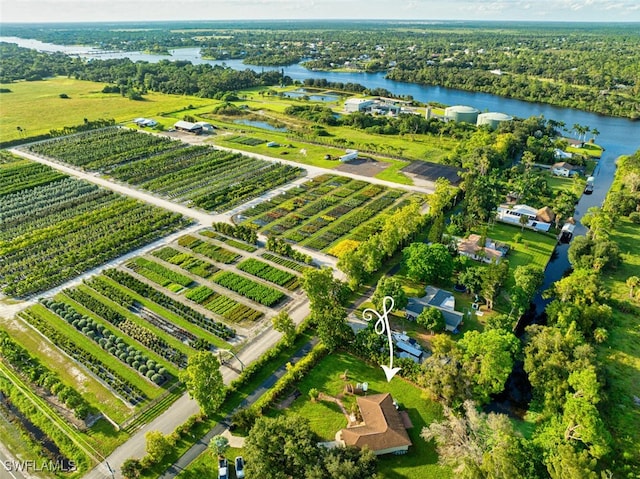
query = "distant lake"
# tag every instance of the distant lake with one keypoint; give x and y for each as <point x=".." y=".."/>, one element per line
<point x="312" y="96"/>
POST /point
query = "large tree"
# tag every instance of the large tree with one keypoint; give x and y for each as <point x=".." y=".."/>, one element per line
<point x="283" y="323"/>
<point x="325" y="296"/>
<point x="494" y="276"/>
<point x="389" y="287"/>
<point x="203" y="380"/>
<point x="322" y="288"/>
<point x="280" y="448"/>
<point x="428" y="263"/>
<point x="158" y="445"/>
<point x="332" y="327"/>
<point x="432" y="320"/>
<point x="528" y="278"/>
<point x="580" y="287"/>
<point x="481" y="446"/>
<point x="488" y="360"/>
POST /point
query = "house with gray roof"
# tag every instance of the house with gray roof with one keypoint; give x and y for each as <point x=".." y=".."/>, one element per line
<point x="440" y="299"/>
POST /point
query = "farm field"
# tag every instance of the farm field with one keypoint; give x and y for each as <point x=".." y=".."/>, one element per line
<point x="132" y="332"/>
<point x="85" y="98"/>
<point x="324" y="211"/>
<point x="206" y="256"/>
<point x="200" y="176"/>
<point x="55" y="227"/>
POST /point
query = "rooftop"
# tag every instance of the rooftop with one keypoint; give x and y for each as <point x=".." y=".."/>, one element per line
<point x="382" y="428"/>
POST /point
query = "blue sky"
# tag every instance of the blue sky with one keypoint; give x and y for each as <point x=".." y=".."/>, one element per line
<point x="140" y="10"/>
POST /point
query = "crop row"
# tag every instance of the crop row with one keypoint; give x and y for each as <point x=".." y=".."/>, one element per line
<point x="231" y="242"/>
<point x="269" y="273"/>
<point x="254" y="182"/>
<point x="102" y="286"/>
<point x="161" y="164"/>
<point x="37" y="373"/>
<point x="25" y="221"/>
<point x="290" y="194"/>
<point x="158" y="273"/>
<point x="245" y="140"/>
<point x="248" y="288"/>
<point x="214" y="252"/>
<point x="287" y="263"/>
<point x="109" y="341"/>
<point x="121" y="386"/>
<point x="138" y="333"/>
<point x="106" y="289"/>
<point x="199" y="267"/>
<point x="19" y="175"/>
<point x="224" y="306"/>
<point x="195" y="317"/>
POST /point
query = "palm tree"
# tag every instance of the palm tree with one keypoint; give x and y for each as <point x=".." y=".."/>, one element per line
<point x="577" y="127"/>
<point x="595" y="133"/>
<point x="524" y="220"/>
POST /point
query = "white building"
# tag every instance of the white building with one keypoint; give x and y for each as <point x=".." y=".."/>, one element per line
<point x="357" y="104"/>
<point x="349" y="155"/>
<point x="512" y="213"/>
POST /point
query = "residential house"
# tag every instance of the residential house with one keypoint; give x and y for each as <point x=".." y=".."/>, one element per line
<point x="490" y="251"/>
<point x="440" y="299"/>
<point x="511" y="214"/>
<point x="565" y="169"/>
<point x="383" y="428"/>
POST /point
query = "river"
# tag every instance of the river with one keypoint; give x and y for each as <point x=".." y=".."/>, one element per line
<point x="619" y="136"/>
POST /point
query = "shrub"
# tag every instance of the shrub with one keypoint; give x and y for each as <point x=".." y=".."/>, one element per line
<point x="635" y="217"/>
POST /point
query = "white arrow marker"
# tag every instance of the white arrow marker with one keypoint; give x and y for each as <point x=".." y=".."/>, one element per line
<point x="382" y="325"/>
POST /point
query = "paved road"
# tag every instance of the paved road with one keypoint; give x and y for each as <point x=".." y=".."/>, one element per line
<point x="7" y="465"/>
<point x="201" y="446"/>
<point x="423" y="187"/>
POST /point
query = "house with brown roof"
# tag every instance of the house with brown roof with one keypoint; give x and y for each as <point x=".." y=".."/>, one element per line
<point x="382" y="429"/>
<point x="490" y="251"/>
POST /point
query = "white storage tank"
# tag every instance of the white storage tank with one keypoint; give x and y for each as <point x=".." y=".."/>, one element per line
<point x="493" y="119"/>
<point x="463" y="113"/>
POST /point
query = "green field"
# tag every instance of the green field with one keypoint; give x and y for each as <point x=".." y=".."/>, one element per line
<point x="620" y="354"/>
<point x="37" y="107"/>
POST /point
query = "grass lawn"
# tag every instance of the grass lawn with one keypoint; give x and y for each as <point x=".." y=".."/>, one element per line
<point x="37" y="106"/>
<point x="326" y="419"/>
<point x="535" y="247"/>
<point x="559" y="183"/>
<point x="621" y="353"/>
<point x="588" y="149"/>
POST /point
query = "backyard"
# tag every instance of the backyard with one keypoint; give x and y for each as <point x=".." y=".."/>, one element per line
<point x="326" y="418"/>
